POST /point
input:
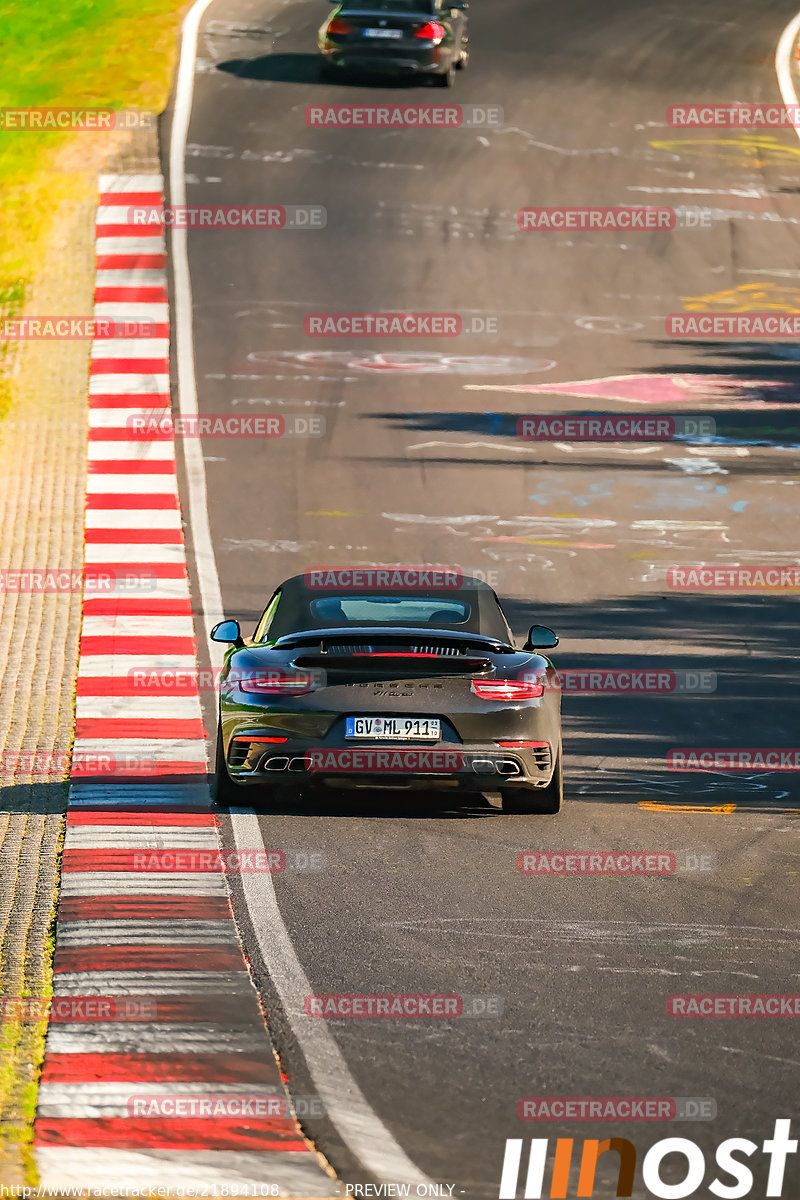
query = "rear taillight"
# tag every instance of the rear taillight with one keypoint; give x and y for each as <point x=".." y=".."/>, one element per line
<point x="246" y="737"/>
<point x="506" y="689"/>
<point x="338" y="25"/>
<point x="275" y="683"/>
<point x="432" y="32"/>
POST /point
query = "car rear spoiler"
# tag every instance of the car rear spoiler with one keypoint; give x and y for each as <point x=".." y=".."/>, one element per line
<point x="366" y="639"/>
<point x="369" y="654"/>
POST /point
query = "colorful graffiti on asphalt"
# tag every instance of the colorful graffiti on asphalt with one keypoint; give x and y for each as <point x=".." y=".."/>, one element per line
<point x="747" y="297"/>
<point x="652" y="389"/>
<point x="411" y="362"/>
<point x="744" y="150"/>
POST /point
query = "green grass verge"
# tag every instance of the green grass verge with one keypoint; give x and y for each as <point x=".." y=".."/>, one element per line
<point x="83" y="53"/>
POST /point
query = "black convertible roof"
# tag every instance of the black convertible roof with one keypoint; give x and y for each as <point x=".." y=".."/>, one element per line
<point x="297" y="594"/>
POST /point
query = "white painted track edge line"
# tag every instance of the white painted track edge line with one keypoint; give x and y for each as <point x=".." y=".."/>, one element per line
<point x="783" y="63"/>
<point x="358" y="1125"/>
<point x="349" y="1110"/>
<point x="208" y="578"/>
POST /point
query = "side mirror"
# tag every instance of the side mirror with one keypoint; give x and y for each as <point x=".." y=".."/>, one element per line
<point x="227" y="631"/>
<point x="540" y="638"/>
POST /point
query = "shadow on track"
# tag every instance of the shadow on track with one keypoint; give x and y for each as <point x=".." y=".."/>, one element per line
<point x="747" y="641"/>
<point x="306" y="68"/>
<point x="330" y="802"/>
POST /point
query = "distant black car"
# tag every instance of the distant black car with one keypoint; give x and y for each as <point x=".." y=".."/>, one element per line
<point x="364" y="681"/>
<point x="403" y="37"/>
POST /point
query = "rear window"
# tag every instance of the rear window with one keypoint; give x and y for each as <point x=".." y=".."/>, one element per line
<point x="390" y="6"/>
<point x="389" y="610"/>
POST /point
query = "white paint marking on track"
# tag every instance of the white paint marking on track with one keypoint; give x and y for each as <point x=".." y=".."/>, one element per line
<point x="168" y="982"/>
<point x="131" y="518"/>
<point x="348" y="1109"/>
<point x="139" y="1038"/>
<point x="142" y="838"/>
<point x="122" y="625"/>
<point x="145" y="933"/>
<point x="139" y="310"/>
<point x="133" y="347"/>
<point x="209" y="1171"/>
<point x="784" y="61"/>
<point x="141" y="883"/>
<point x="128" y="383"/>
<point x="138" y="483"/>
<point x="131" y="245"/>
<point x="143" y="559"/>
<point x="111" y="417"/>
<point x="191" y="751"/>
<point x="132" y="451"/>
<point x="139" y="706"/>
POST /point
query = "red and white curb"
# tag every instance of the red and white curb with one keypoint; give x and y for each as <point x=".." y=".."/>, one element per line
<point x="164" y="943"/>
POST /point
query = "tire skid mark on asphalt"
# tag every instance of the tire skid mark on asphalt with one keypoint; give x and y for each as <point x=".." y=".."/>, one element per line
<point x="158" y="947"/>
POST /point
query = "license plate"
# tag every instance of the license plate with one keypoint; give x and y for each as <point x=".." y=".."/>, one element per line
<point x="383" y="33"/>
<point x="402" y="729"/>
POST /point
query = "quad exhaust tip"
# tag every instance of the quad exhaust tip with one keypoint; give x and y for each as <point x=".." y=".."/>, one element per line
<point x="507" y="767"/>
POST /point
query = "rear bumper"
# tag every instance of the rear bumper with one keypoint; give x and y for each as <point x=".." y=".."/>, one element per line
<point x="444" y="766"/>
<point x="362" y="58"/>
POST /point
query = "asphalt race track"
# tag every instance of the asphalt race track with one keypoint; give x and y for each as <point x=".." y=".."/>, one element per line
<point x="420" y="464"/>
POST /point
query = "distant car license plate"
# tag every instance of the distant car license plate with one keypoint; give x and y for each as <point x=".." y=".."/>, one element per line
<point x="402" y="729"/>
<point x="383" y="33"/>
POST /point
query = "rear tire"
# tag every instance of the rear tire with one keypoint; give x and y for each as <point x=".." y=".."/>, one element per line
<point x="224" y="791"/>
<point x="544" y="801"/>
<point x="448" y="78"/>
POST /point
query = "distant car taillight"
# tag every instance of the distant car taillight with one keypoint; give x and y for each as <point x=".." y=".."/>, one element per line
<point x="391" y="654"/>
<point x="525" y="745"/>
<point x="275" y="683"/>
<point x="338" y="25"/>
<point x="432" y="32"/>
<point x="506" y="689"/>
